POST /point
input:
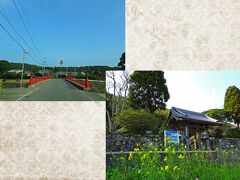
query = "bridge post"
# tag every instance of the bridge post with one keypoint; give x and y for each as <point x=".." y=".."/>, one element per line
<point x="87" y="84"/>
<point x="30" y="81"/>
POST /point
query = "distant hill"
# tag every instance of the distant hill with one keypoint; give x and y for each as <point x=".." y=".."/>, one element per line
<point x="6" y="66"/>
<point x="94" y="72"/>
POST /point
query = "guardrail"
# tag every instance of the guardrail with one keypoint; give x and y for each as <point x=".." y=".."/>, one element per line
<point x="84" y="83"/>
<point x="98" y="81"/>
<point x="35" y="80"/>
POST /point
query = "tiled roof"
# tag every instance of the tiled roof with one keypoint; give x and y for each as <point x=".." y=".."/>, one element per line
<point x="192" y="116"/>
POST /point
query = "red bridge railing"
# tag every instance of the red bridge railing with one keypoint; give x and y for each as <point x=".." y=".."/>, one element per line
<point x="80" y="82"/>
<point x="34" y="80"/>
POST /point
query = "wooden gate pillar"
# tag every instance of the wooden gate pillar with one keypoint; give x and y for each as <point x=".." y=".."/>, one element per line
<point x="186" y="137"/>
<point x="199" y="136"/>
<point x="207" y="139"/>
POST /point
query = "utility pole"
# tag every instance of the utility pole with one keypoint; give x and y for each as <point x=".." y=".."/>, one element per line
<point x="24" y="52"/>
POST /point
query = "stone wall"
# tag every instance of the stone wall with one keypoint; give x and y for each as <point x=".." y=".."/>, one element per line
<point x="227" y="142"/>
<point x="117" y="142"/>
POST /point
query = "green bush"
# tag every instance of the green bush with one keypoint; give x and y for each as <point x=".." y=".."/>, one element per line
<point x="233" y="133"/>
<point x="225" y="130"/>
<point x="15" y="83"/>
<point x="217" y="132"/>
<point x="162" y="115"/>
<point x="137" y="121"/>
<point x="122" y="131"/>
<point x="1" y="84"/>
<point x="98" y="87"/>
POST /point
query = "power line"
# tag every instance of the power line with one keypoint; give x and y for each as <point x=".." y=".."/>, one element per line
<point x="3" y="13"/>
<point x="11" y="36"/>
<point x="24" y="24"/>
<point x="35" y="59"/>
<point x="27" y="20"/>
<point x="4" y="16"/>
<point x="2" y="7"/>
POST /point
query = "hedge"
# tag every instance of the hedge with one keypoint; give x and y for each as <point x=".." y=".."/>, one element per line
<point x="137" y="121"/>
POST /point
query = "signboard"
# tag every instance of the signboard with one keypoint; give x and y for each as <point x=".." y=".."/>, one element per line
<point x="171" y="137"/>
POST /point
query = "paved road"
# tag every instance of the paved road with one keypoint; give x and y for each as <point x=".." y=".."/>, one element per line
<point x="50" y="90"/>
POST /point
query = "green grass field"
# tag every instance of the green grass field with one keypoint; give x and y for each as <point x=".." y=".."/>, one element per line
<point x="150" y="164"/>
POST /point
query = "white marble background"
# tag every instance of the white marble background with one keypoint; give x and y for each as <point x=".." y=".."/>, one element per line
<point x="182" y="34"/>
<point x="52" y="140"/>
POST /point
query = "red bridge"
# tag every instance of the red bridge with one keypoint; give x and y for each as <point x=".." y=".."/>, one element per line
<point x="35" y="80"/>
<point x="83" y="83"/>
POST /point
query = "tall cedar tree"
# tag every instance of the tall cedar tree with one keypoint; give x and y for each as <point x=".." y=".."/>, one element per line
<point x="148" y="90"/>
<point x="121" y="63"/>
<point x="232" y="104"/>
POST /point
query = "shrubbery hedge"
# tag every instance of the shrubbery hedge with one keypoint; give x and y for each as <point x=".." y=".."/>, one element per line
<point x="162" y="115"/>
<point x="98" y="87"/>
<point x="226" y="130"/>
<point x="1" y="84"/>
<point x="15" y="83"/>
<point x="137" y="121"/>
<point x="233" y="133"/>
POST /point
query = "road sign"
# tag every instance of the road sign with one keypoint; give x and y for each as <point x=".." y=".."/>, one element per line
<point x="61" y="62"/>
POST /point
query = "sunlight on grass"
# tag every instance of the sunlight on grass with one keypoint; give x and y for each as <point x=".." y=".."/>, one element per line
<point x="172" y="163"/>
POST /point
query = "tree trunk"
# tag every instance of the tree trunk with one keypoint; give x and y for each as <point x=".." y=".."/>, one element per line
<point x="114" y="98"/>
<point x="147" y="107"/>
<point x="125" y="96"/>
<point x="109" y="121"/>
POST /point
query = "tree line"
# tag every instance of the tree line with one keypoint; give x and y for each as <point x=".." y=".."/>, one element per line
<point x="231" y="109"/>
<point x="93" y="72"/>
<point x="230" y="113"/>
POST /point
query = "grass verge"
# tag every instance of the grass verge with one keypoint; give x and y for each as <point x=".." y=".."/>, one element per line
<point x="150" y="163"/>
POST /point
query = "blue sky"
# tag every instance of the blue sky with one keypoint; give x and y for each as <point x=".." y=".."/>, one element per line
<point x="199" y="90"/>
<point x="81" y="32"/>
